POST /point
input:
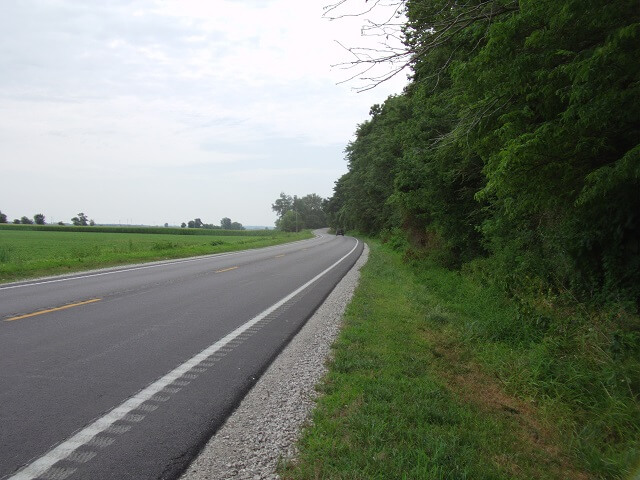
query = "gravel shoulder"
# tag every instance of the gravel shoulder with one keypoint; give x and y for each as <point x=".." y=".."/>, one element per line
<point x="266" y="424"/>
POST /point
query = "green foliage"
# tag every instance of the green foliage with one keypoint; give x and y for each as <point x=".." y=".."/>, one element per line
<point x="362" y="196"/>
<point x="166" y="245"/>
<point x="385" y="413"/>
<point x="514" y="156"/>
<point x="5" y="254"/>
<point x="518" y="138"/>
<point x="80" y="221"/>
<point x="311" y="209"/>
<point x="282" y="204"/>
<point x="295" y="214"/>
<point x="227" y="224"/>
<point x="436" y="375"/>
<point x="561" y="156"/>
<point x="579" y="366"/>
<point x="38" y="218"/>
<point x="141" y="230"/>
<point x="3" y="218"/>
<point x="289" y="222"/>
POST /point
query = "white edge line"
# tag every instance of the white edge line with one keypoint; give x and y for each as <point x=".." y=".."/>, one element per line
<point x="142" y="267"/>
<point x="63" y="450"/>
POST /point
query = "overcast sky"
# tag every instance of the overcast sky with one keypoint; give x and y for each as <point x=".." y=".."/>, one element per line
<point x="150" y="111"/>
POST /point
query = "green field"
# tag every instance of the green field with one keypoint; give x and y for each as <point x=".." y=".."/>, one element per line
<point x="435" y="376"/>
<point x="29" y="251"/>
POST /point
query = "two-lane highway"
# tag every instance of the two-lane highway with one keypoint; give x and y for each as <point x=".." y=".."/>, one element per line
<point x="126" y="373"/>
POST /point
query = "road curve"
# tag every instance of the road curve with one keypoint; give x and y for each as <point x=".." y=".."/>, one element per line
<point x="126" y="373"/>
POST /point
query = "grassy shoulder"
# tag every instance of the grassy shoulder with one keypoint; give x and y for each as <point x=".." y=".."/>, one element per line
<point x="430" y="381"/>
<point x="29" y="253"/>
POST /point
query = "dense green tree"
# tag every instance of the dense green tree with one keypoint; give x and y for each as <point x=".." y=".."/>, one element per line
<point x="308" y="212"/>
<point x="289" y="222"/>
<point x="3" y="218"/>
<point x="514" y="152"/>
<point x="26" y="221"/>
<point x="81" y="220"/>
<point x="561" y="148"/>
<point x="373" y="158"/>
<point x="282" y="205"/>
<point x="39" y="219"/>
<point x="518" y="135"/>
<point x="225" y="223"/>
<point x="335" y="205"/>
<point x="310" y="209"/>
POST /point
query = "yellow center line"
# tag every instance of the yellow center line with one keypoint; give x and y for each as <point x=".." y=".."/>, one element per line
<point x="278" y="256"/>
<point x="226" y="269"/>
<point x="42" y="312"/>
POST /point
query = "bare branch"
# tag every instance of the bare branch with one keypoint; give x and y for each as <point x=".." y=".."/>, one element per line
<point x="403" y="44"/>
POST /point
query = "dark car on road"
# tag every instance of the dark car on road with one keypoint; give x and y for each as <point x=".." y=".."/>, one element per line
<point x="340" y="231"/>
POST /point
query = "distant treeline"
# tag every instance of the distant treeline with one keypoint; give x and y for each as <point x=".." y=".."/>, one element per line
<point x="143" y="230"/>
<point x="297" y="213"/>
<point x="517" y="141"/>
<point x="225" y="224"/>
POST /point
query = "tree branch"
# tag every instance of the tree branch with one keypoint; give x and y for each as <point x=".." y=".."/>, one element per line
<point x="416" y="40"/>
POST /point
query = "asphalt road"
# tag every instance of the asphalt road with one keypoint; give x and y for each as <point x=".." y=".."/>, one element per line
<point x="126" y="373"/>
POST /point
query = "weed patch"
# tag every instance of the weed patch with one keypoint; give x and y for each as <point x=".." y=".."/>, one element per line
<point x="5" y="254"/>
<point x="435" y="377"/>
<point x="164" y="245"/>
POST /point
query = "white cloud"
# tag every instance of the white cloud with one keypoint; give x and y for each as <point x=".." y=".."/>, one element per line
<point x="171" y="91"/>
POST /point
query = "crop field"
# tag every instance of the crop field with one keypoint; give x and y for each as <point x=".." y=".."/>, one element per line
<point x="33" y="252"/>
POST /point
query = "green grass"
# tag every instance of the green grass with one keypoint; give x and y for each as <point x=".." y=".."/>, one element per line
<point x="133" y="229"/>
<point x="28" y="253"/>
<point x="435" y="377"/>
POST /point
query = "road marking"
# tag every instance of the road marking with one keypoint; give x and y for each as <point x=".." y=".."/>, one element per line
<point x="41" y="465"/>
<point x="226" y="269"/>
<point x="42" y="312"/>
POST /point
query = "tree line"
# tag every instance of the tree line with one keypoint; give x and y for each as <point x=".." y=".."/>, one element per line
<point x="225" y="224"/>
<point x="297" y="213"/>
<point x="39" y="219"/>
<point x="82" y="220"/>
<point x="516" y="141"/>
